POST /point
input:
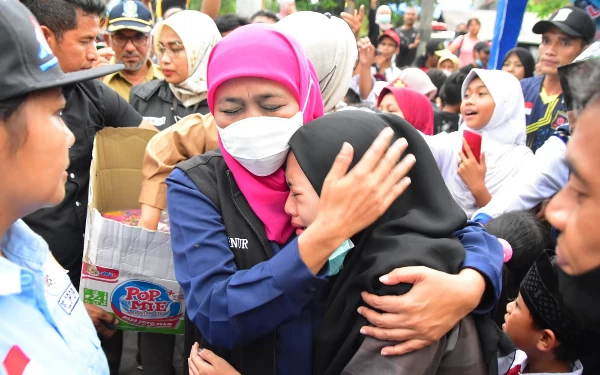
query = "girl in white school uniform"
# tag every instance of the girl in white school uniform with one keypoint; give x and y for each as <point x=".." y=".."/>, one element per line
<point x="492" y="106"/>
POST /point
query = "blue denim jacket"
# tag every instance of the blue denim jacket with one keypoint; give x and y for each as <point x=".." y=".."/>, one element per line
<point x="44" y="327"/>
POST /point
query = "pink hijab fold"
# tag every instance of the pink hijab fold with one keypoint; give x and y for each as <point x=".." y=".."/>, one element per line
<point x="263" y="52"/>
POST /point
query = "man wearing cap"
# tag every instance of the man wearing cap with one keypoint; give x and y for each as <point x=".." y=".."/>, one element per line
<point x="433" y="51"/>
<point x="69" y="28"/>
<point x="564" y="36"/>
<point x="481" y="57"/>
<point x="387" y="48"/>
<point x="128" y="34"/>
<point x="375" y="68"/>
<point x="45" y="327"/>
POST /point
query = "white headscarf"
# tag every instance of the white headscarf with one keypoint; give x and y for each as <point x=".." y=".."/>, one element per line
<point x="330" y="46"/>
<point x="384" y="26"/>
<point x="199" y="34"/>
<point x="503" y="139"/>
<point x="418" y="80"/>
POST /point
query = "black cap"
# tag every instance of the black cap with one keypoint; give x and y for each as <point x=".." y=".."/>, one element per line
<point x="28" y="63"/>
<point x="570" y="20"/>
<point x="482" y="47"/>
<point x="434" y="46"/>
<point x="539" y="291"/>
<point x="130" y="15"/>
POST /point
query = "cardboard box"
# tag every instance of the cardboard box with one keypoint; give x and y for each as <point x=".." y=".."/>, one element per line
<point x="127" y="271"/>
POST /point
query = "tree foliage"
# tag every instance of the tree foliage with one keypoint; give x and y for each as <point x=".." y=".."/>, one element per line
<point x="544" y="8"/>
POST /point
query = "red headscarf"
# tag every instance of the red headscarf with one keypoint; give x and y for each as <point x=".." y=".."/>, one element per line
<point x="416" y="107"/>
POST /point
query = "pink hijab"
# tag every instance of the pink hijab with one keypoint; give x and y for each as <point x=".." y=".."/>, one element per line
<point x="259" y="50"/>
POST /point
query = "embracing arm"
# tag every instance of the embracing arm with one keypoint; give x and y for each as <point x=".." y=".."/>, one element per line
<point x="216" y="292"/>
<point x="192" y="135"/>
<point x="484" y="254"/>
<point x="437" y="300"/>
<point x="526" y="190"/>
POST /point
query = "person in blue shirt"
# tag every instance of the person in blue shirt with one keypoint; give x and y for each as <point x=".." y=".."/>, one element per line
<point x="44" y="326"/>
<point x="254" y="290"/>
<point x="565" y="35"/>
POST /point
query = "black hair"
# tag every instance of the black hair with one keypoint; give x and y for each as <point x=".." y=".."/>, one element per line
<point x="528" y="237"/>
<point x="420" y="61"/>
<point x="583" y="79"/>
<point x="264" y="13"/>
<point x="526" y="59"/>
<point x="168" y="4"/>
<point x="451" y="91"/>
<point x="230" y="22"/>
<point x="438" y="78"/>
<point x="60" y="16"/>
<point x="471" y="20"/>
<point x="563" y="352"/>
<point x="13" y="122"/>
<point x="352" y="97"/>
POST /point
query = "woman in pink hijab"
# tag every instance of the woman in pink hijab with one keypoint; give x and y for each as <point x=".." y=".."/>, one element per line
<point x="254" y="291"/>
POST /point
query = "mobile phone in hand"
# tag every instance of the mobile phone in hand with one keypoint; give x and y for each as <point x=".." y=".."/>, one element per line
<point x="474" y="141"/>
<point x="350" y="6"/>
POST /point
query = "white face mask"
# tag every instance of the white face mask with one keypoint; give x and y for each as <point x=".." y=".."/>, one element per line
<point x="260" y="144"/>
<point x="383" y="18"/>
<point x="447" y="72"/>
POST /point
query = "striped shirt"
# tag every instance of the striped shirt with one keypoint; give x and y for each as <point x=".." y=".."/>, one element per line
<point x="544" y="113"/>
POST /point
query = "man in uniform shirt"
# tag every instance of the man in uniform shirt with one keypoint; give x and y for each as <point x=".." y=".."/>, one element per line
<point x="564" y="36"/>
<point x="70" y="28"/>
<point x="128" y="34"/>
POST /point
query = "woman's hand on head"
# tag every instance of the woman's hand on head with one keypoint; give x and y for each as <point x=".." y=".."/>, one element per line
<point x="351" y="201"/>
<point x="434" y="305"/>
<point x="206" y="362"/>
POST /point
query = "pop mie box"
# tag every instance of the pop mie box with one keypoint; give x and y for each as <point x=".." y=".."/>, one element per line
<point x="127" y="271"/>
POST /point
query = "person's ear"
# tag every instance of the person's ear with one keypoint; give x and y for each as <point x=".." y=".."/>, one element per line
<point x="547" y="341"/>
<point x="107" y="39"/>
<point x="50" y="37"/>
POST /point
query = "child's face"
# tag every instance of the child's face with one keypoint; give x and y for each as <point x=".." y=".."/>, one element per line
<point x="303" y="202"/>
<point x="477" y="106"/>
<point x="389" y="104"/>
<point x="518" y="324"/>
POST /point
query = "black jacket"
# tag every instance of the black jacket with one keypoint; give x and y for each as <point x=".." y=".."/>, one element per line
<point x="214" y="179"/>
<point x="156" y="102"/>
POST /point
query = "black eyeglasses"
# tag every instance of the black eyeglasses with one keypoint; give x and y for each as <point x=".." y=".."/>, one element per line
<point x="139" y="40"/>
<point x="173" y="49"/>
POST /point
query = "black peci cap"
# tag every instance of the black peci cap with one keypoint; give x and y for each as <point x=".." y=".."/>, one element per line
<point x="539" y="290"/>
<point x="570" y="20"/>
<point x="28" y="63"/>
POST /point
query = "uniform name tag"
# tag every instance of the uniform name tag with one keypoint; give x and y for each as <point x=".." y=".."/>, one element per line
<point x="156" y="121"/>
<point x="69" y="299"/>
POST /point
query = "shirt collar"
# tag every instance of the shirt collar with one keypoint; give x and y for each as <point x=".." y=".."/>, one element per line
<point x="154" y="72"/>
<point x="22" y="248"/>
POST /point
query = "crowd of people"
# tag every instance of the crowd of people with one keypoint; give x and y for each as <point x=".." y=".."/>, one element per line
<point x="399" y="214"/>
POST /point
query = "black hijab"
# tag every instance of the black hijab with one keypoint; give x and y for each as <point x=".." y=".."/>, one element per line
<point x="526" y="59"/>
<point x="415" y="231"/>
